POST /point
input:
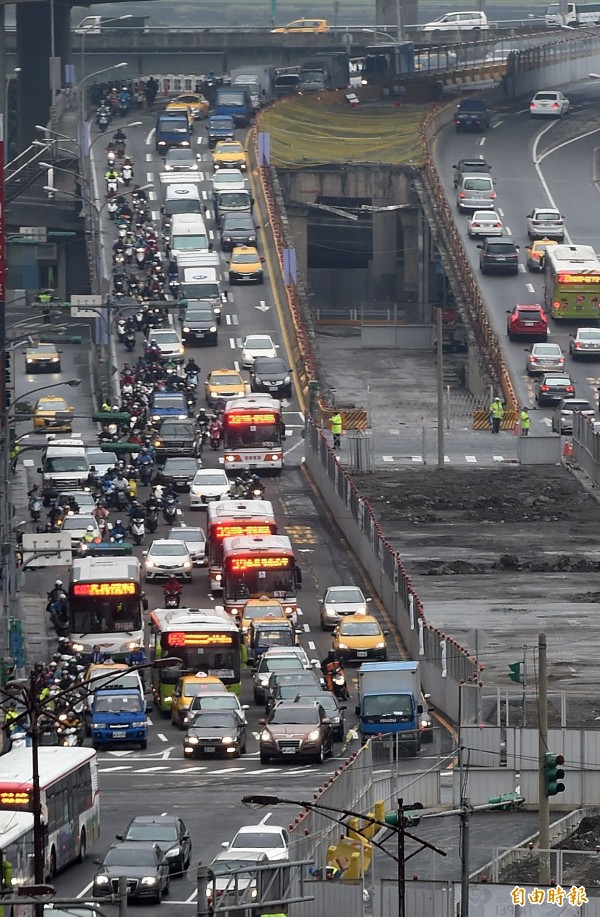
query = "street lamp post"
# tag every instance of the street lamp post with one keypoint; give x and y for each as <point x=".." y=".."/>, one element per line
<point x="7" y="83"/>
<point x="89" y="29"/>
<point x="396" y="826"/>
<point x="27" y="691"/>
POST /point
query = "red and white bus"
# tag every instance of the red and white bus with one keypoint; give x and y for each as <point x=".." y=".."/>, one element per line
<point x="257" y="566"/>
<point x="69" y="796"/>
<point x="253" y="433"/>
<point x="228" y="518"/>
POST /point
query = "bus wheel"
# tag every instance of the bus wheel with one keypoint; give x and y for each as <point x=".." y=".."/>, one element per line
<point x="52" y="865"/>
<point x="82" y="847"/>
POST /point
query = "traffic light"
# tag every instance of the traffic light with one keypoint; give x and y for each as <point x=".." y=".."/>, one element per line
<point x="7" y="377"/>
<point x="553" y="774"/>
<point x="411" y="815"/>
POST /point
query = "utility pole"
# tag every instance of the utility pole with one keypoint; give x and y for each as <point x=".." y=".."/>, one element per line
<point x="544" y="803"/>
<point x="401" y="866"/>
<point x="440" y="390"/>
<point x="465" y="816"/>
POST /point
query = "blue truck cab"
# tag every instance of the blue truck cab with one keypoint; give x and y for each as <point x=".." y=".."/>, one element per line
<point x="391" y="702"/>
<point x="236" y="103"/>
<point x="172" y="405"/>
<point x="119" y="715"/>
<point x="220" y="127"/>
<point x="172" y="130"/>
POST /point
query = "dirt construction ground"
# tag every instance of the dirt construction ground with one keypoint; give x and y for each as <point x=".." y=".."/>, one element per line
<point x="507" y="552"/>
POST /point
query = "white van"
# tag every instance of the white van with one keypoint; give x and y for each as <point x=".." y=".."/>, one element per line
<point x="181" y="198"/>
<point x="188" y="234"/>
<point x="203" y="283"/>
<point x="475" y="192"/>
<point x="65" y="466"/>
<point x="465" y="21"/>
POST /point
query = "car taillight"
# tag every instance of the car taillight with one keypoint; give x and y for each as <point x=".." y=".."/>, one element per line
<point x="569" y="388"/>
<point x="462" y="194"/>
<point x="577" y="345"/>
<point x="544" y="388"/>
<point x="475" y="224"/>
<point x="493" y="195"/>
<point x="555" y="105"/>
<point x="532" y="104"/>
<point x="498" y="225"/>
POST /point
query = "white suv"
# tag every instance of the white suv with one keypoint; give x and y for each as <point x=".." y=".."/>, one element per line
<point x="469" y="21"/>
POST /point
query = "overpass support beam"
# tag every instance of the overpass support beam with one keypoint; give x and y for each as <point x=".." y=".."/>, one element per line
<point x="384" y="266"/>
<point x="298" y="224"/>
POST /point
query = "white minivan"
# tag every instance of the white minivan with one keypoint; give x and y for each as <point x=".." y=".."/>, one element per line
<point x="188" y="234"/>
<point x="475" y="192"/>
<point x="465" y="21"/>
<point x="181" y="198"/>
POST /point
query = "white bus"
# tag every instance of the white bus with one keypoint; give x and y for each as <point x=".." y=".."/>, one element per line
<point x="577" y="14"/>
<point x="69" y="798"/>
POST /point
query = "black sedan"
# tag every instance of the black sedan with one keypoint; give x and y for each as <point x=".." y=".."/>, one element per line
<point x="221" y="733"/>
<point x="271" y="374"/>
<point x="168" y="831"/>
<point x="179" y="472"/>
<point x="553" y="387"/>
<point x="237" y="229"/>
<point x="144" y="866"/>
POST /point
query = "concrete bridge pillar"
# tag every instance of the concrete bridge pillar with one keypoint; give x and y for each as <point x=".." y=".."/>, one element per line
<point x="385" y="254"/>
<point x="34" y="48"/>
<point x="298" y="224"/>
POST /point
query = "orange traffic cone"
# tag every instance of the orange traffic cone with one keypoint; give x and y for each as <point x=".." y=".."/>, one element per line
<point x="568" y="449"/>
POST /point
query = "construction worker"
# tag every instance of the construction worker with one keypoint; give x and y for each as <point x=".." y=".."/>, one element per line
<point x="496" y="413"/>
<point x="524" y="421"/>
<point x="46" y="296"/>
<point x="336" y="424"/>
<point x="10" y="716"/>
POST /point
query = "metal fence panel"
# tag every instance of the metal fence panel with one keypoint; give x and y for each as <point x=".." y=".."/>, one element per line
<point x="485" y="784"/>
<point x="422" y="899"/>
<point x="330" y="898"/>
<point x="483" y="745"/>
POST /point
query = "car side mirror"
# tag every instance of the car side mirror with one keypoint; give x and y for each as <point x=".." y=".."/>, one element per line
<point x="145" y="604"/>
<point x="369" y="600"/>
<point x="480" y="246"/>
<point x="39" y="471"/>
<point x="527" y="349"/>
<point x="419" y="708"/>
<point x="385" y="633"/>
<point x="262" y="722"/>
<point x="119" y="837"/>
<point x="299" y="577"/>
<point x="455" y="166"/>
<point x="357" y="710"/>
<point x="97" y="861"/>
<point x="225" y="845"/>
<point x="326" y="721"/>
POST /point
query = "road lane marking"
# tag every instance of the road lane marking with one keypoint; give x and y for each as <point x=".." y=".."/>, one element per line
<point x="149" y="136"/>
<point x="85" y="890"/>
<point x="162" y="737"/>
<point x="110" y="770"/>
<point x="149" y="770"/>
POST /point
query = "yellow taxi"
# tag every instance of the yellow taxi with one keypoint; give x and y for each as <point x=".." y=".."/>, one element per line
<point x="42" y="357"/>
<point x="52" y="413"/>
<point x="536" y="252"/>
<point x="359" y="637"/>
<point x="182" y="107"/>
<point x="186" y="690"/>
<point x="316" y="26"/>
<point x="223" y="383"/>
<point x="263" y="609"/>
<point x="229" y="154"/>
<point x="199" y="106"/>
<point x="245" y="265"/>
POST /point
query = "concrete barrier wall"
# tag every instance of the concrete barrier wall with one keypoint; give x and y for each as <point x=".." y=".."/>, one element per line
<point x="539" y="450"/>
<point x="401" y="337"/>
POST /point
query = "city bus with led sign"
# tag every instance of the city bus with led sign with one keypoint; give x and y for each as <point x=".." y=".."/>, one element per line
<point x="203" y="639"/>
<point x="253" y="433"/>
<point x="572" y="282"/>
<point x="69" y="798"/>
<point x="16" y="850"/>
<point x="231" y="519"/>
<point x="105" y="605"/>
<point x="260" y="567"/>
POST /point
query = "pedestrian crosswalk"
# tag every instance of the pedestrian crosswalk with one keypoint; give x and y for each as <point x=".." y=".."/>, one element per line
<point x="454" y="459"/>
<point x="209" y="770"/>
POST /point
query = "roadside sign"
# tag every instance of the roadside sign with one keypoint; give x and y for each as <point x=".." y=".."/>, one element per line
<point x="56" y="544"/>
<point x="86" y="306"/>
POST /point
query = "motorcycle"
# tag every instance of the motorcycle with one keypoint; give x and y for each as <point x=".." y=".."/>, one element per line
<point x="127" y="173"/>
<point x="140" y="255"/>
<point x="138" y="529"/>
<point x="170" y="509"/>
<point x="129" y="341"/>
<point x="120" y="148"/>
<point x="152" y="520"/>
<point x="124" y="107"/>
<point x="35" y="508"/>
<point x="191" y="378"/>
<point x="110" y="159"/>
<point x="112" y="185"/>
<point x="335" y="681"/>
<point x="102" y="120"/>
<point x="112" y="207"/>
<point x="215" y="440"/>
<point x="171" y="598"/>
<point x="121" y="329"/>
<point x="117" y="536"/>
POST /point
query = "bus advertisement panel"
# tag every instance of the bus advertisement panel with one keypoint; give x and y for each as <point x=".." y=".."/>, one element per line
<point x="105" y="605"/>
<point x="230" y="518"/>
<point x="204" y="639"/>
<point x="572" y="282"/>
<point x="255" y="567"/>
<point x="253" y="433"/>
<point x="69" y="797"/>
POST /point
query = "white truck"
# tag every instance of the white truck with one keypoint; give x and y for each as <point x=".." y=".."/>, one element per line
<point x="390" y="702"/>
<point x="259" y="81"/>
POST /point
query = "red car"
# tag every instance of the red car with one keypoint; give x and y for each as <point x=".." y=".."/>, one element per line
<point x="528" y="322"/>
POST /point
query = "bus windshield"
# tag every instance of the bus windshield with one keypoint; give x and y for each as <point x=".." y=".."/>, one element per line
<point x="104" y="615"/>
<point x="216" y="659"/>
<point x="252" y="583"/>
<point x="267" y="434"/>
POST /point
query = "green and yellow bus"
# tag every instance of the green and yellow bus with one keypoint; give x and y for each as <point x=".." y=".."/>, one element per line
<point x="205" y="640"/>
<point x="572" y="282"/>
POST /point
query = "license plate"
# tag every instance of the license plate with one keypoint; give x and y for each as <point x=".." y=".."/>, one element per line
<point x="273" y="388"/>
<point x="210" y="749"/>
<point x="500" y="257"/>
<point x="288" y="751"/>
<point x="119" y="734"/>
<point x="361" y="653"/>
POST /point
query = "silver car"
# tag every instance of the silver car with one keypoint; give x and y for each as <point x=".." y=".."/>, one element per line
<point x="585" y="344"/>
<point x="545" y="223"/>
<point x="339" y="602"/>
<point x="194" y="540"/>
<point x="167" y="558"/>
<point x="562" y="418"/>
<point x="548" y="103"/>
<point x="544" y="358"/>
<point x="475" y="192"/>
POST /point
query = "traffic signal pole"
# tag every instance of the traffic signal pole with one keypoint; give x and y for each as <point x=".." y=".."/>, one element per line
<point x="544" y="802"/>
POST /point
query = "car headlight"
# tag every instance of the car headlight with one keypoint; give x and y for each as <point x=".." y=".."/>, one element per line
<point x="342" y="646"/>
<point x="313" y="736"/>
<point x="263" y="680"/>
<point x="97" y="726"/>
<point x="380" y="645"/>
<point x="101" y="880"/>
<point x="227" y="740"/>
<point x="77" y="647"/>
<point x="139" y="724"/>
<point x="187" y="564"/>
<point x="331" y="612"/>
<point x="173" y="852"/>
<point x="185" y="143"/>
<point x="265" y="736"/>
<point x="226" y="239"/>
<point x="212" y="329"/>
<point x="56" y="359"/>
<point x="258" y="380"/>
<point x="149" y="880"/>
<point x="193" y="740"/>
<point x="424" y="723"/>
<point x="288" y="379"/>
<point x="186" y="330"/>
<point x="251" y="239"/>
<point x="149" y="564"/>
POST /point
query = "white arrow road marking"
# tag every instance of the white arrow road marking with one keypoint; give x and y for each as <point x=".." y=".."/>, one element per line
<point x="262" y="306"/>
<point x="119" y="754"/>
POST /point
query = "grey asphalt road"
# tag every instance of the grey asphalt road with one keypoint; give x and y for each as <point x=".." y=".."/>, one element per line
<point x="556" y="162"/>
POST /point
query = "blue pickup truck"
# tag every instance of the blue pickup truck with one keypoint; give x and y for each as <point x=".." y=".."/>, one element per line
<point x="171" y="405"/>
<point x="220" y="127"/>
<point x="118" y="715"/>
<point x="172" y="130"/>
